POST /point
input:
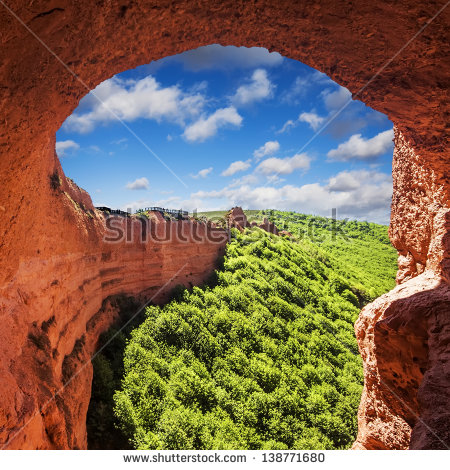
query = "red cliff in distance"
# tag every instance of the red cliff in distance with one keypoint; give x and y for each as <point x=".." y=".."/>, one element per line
<point x="236" y="218"/>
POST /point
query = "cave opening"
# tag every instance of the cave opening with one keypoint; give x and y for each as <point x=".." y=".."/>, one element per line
<point x="219" y="127"/>
<point x="54" y="262"/>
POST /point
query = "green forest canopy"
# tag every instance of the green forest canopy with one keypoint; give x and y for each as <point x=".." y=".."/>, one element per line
<point x="264" y="357"/>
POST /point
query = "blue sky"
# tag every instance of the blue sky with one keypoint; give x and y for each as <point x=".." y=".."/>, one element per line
<point x="222" y="126"/>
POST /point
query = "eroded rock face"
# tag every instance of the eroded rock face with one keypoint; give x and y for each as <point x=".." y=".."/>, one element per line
<point x="403" y="336"/>
<point x="56" y="271"/>
<point x="269" y="226"/>
<point x="403" y="339"/>
<point x="236" y="218"/>
<point x="54" y="310"/>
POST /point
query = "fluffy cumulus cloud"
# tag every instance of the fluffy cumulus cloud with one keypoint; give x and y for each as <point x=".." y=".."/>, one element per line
<point x="337" y="98"/>
<point x="366" y="196"/>
<point x="313" y="119"/>
<point x="235" y="167"/>
<point x="344" y="181"/>
<point x="269" y="148"/>
<point x="64" y="147"/>
<point x="219" y="57"/>
<point x="259" y="88"/>
<point x="360" y="148"/>
<point x="138" y="184"/>
<point x="206" y="127"/>
<point x="128" y="100"/>
<point x="203" y="173"/>
<point x="284" y="166"/>
<point x="340" y="119"/>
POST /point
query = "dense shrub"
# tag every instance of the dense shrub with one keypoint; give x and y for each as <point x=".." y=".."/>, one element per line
<point x="266" y="358"/>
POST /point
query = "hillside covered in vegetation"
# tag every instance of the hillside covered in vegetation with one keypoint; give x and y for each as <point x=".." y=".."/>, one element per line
<point x="264" y="357"/>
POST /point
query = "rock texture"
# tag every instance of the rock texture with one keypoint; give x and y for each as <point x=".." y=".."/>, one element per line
<point x="403" y="338"/>
<point x="268" y="226"/>
<point x="56" y="271"/>
<point x="404" y="335"/>
<point x="236" y="218"/>
<point x="56" y="306"/>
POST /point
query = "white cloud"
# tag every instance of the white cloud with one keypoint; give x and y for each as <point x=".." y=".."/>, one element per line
<point x="370" y="200"/>
<point x="206" y="127"/>
<point x="336" y="99"/>
<point x="139" y="183"/>
<point x="129" y="100"/>
<point x="351" y="117"/>
<point x="344" y="181"/>
<point x="215" y="56"/>
<point x="284" y="166"/>
<point x="203" y="173"/>
<point x="173" y="202"/>
<point x="133" y="206"/>
<point x="297" y="89"/>
<point x="169" y="202"/>
<point x="359" y="148"/>
<point x="235" y="167"/>
<point x="64" y="147"/>
<point x="177" y="202"/>
<point x="260" y="87"/>
<point x="348" y="120"/>
<point x="274" y="179"/>
<point x="301" y="85"/>
<point x="321" y="78"/>
<point x="244" y="180"/>
<point x="269" y="148"/>
<point x="288" y="125"/>
<point x="313" y="119"/>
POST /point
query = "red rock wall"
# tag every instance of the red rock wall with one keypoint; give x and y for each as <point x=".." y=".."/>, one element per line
<point x="55" y="307"/>
<point x="372" y="48"/>
<point x="236" y="218"/>
<point x="404" y="335"/>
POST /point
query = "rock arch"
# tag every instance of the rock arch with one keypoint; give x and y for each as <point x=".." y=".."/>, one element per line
<point x="54" y="268"/>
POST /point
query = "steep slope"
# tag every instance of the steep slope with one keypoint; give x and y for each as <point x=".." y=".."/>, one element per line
<point x="265" y="359"/>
